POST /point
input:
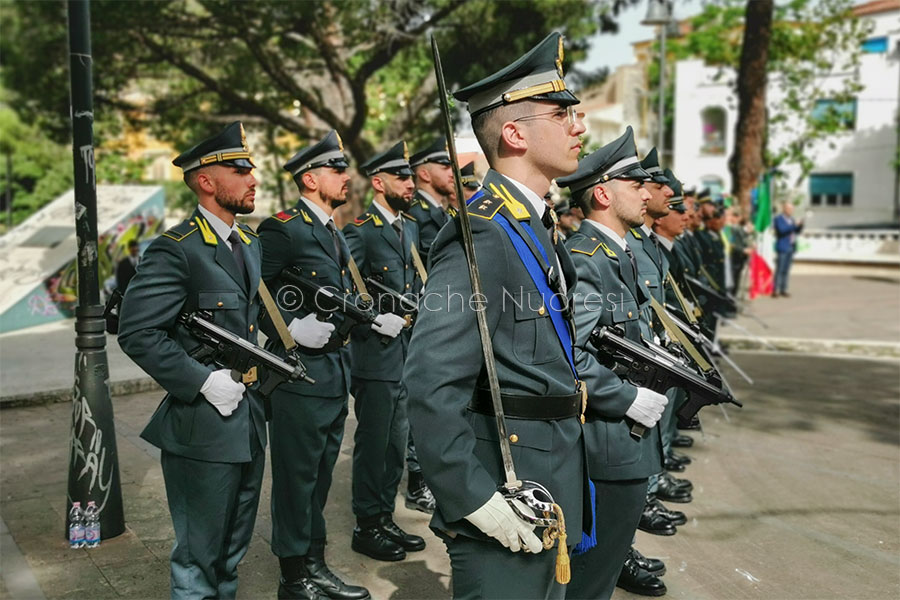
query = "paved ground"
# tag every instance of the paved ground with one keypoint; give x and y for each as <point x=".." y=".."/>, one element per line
<point x="795" y="497"/>
<point x="828" y="303"/>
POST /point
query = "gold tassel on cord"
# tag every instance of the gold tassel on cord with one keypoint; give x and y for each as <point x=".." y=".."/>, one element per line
<point x="558" y="534"/>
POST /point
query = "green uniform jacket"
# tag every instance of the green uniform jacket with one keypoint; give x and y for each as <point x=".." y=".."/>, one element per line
<point x="296" y="237"/>
<point x="430" y="219"/>
<point x="605" y="273"/>
<point x="189" y="268"/>
<point x="458" y="448"/>
<point x="376" y="250"/>
<point x="713" y="256"/>
<point x="652" y="271"/>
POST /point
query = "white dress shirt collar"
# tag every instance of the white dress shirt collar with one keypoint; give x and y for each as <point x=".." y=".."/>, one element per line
<point x="618" y="239"/>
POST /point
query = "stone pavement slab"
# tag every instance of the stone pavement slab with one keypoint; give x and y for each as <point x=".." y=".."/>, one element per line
<point x="797" y="495"/>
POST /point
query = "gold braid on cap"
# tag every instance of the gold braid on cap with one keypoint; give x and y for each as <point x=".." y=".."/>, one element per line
<point x="557" y="85"/>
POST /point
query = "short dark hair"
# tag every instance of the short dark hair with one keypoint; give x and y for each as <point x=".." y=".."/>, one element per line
<point x="486" y="126"/>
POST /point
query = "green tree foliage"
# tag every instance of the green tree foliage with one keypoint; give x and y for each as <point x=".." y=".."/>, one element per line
<point x="812" y="40"/>
<point x="183" y="67"/>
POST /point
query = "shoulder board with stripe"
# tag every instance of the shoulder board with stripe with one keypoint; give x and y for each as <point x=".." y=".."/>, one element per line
<point x="486" y="207"/>
<point x="182" y="230"/>
<point x="635" y="233"/>
<point x="366" y="217"/>
<point x="286" y="215"/>
<point x="409" y="216"/>
<point x="246" y="229"/>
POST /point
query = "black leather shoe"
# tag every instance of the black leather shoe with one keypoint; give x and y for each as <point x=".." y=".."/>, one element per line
<point x="653" y="522"/>
<point x="684" y="459"/>
<point x="299" y="589"/>
<point x="654" y="566"/>
<point x="636" y="580"/>
<point x="407" y="541"/>
<point x="675" y="516"/>
<point x="374" y="543"/>
<point x="671" y="493"/>
<point x="683" y="484"/>
<point x="682" y="441"/>
<point x="330" y="584"/>
<point x="671" y="465"/>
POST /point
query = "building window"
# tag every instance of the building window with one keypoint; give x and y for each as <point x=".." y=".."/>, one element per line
<point x="831" y="189"/>
<point x="714" y="120"/>
<point x="843" y="112"/>
<point x="875" y="45"/>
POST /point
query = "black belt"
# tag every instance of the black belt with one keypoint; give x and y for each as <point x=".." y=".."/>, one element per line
<point x="539" y="408"/>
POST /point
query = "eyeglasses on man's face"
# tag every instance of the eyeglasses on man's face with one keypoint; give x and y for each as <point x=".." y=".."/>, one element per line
<point x="566" y="116"/>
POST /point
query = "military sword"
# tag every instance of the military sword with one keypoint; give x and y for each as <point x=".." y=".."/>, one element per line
<point x="512" y="482"/>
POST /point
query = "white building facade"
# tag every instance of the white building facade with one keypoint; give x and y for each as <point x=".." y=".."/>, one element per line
<point x="853" y="182"/>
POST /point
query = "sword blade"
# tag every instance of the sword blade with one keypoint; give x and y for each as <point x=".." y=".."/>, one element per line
<point x="474" y="276"/>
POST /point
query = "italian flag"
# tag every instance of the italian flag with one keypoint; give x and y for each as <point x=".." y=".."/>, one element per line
<point x="762" y="260"/>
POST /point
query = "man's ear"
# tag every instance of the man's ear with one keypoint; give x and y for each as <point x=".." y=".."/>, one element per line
<point x="600" y="198"/>
<point x="423" y="175"/>
<point x="206" y="182"/>
<point x="512" y="140"/>
<point x="378" y="184"/>
<point x="309" y="181"/>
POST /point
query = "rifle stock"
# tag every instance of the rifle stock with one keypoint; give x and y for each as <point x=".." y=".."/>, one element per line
<point x="230" y="351"/>
<point x="658" y="371"/>
<point x="324" y="302"/>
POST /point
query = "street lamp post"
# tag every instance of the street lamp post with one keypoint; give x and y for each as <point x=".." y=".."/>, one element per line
<point x="93" y="458"/>
<point x="658" y="15"/>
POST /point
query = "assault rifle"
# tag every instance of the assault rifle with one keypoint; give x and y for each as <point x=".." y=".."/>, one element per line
<point x="392" y="301"/>
<point x="324" y="302"/>
<point x="721" y="303"/>
<point x="658" y="371"/>
<point x="230" y="351"/>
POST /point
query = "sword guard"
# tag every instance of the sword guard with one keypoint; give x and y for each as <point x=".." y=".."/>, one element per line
<point x="534" y="496"/>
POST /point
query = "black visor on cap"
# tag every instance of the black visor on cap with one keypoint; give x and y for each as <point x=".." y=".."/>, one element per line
<point x="241" y="163"/>
<point x="403" y="171"/>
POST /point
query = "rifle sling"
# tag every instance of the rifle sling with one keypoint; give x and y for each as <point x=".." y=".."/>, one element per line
<point x="355" y="275"/>
<point x="417" y="262"/>
<point x="677" y="335"/>
<point x="692" y="318"/>
<point x="275" y="315"/>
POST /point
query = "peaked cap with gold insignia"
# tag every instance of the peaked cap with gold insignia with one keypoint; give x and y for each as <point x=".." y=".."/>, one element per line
<point x="228" y="147"/>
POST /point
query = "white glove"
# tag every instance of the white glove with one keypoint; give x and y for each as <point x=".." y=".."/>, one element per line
<point x="499" y="521"/>
<point x="222" y="391"/>
<point x="647" y="408"/>
<point x="310" y="332"/>
<point x="388" y="324"/>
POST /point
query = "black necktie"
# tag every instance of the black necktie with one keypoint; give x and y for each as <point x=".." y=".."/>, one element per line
<point x="398" y="227"/>
<point x="337" y="242"/>
<point x="238" y="251"/>
<point x="547" y="218"/>
<point x="631" y="259"/>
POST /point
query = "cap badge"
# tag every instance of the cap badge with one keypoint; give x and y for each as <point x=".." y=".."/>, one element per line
<point x="340" y="141"/>
<point x="405" y="152"/>
<point x="559" y="57"/>
<point x="244" y="139"/>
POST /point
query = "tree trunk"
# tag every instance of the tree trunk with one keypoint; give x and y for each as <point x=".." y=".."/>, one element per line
<point x="746" y="164"/>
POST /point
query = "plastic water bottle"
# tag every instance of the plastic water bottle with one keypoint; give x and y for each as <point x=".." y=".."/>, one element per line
<point x="76" y="526"/>
<point x="91" y="525"/>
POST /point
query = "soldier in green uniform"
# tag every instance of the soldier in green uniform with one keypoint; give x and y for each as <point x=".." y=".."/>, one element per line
<point x="307" y="423"/>
<point x="435" y="190"/>
<point x="211" y="429"/>
<point x="653" y="270"/>
<point x="381" y="241"/>
<point x="524" y="119"/>
<point x="470" y="185"/>
<point x="609" y="186"/>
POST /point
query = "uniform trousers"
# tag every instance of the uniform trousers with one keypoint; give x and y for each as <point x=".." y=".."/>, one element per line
<point x="305" y="434"/>
<point x="213" y="507"/>
<point x="485" y="569"/>
<point x="618" y="510"/>
<point x="379" y="445"/>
